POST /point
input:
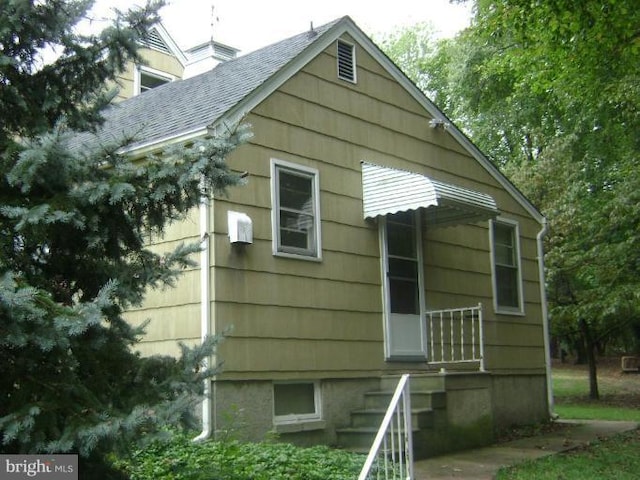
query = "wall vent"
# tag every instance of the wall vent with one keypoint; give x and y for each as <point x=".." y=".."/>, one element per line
<point x="155" y="41"/>
<point x="346" y="61"/>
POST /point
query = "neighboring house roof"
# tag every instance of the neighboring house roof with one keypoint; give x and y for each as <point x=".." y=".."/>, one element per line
<point x="189" y="108"/>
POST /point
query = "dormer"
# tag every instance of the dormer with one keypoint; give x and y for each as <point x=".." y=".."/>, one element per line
<point x="163" y="62"/>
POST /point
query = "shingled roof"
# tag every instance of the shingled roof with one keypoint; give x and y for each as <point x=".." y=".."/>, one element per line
<point x="187" y="108"/>
<point x="180" y="107"/>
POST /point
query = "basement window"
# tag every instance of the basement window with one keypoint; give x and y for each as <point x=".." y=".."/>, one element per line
<point x="296" y="402"/>
<point x="346" y="61"/>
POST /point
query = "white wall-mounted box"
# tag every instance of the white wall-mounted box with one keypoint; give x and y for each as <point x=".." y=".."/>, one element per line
<point x="240" y="228"/>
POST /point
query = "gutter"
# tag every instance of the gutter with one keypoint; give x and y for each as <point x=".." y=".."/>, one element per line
<point x="545" y="318"/>
<point x="205" y="312"/>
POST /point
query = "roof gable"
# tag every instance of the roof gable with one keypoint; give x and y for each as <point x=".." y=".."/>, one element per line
<point x="160" y="40"/>
<point x="190" y="108"/>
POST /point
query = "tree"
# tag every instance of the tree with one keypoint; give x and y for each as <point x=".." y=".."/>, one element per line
<point x="549" y="90"/>
<point x="74" y="255"/>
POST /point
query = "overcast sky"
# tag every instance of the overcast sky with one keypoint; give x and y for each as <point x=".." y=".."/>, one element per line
<point x="251" y="24"/>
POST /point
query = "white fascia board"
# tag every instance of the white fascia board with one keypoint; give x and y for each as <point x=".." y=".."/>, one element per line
<point x="155" y="145"/>
<point x="173" y="46"/>
<point x="241" y="109"/>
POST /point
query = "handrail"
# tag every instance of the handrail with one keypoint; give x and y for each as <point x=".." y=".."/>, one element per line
<point x="450" y="330"/>
<point x="400" y="436"/>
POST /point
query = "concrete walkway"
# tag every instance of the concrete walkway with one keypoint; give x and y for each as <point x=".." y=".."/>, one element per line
<point x="483" y="463"/>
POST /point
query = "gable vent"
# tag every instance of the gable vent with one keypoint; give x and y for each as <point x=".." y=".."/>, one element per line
<point x="346" y="61"/>
<point x="155" y="41"/>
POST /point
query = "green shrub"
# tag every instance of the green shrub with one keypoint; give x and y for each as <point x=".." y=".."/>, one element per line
<point x="181" y="459"/>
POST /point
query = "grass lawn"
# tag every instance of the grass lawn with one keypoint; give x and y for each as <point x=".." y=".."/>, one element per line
<point x="594" y="411"/>
<point x="617" y="457"/>
<point x="619" y="393"/>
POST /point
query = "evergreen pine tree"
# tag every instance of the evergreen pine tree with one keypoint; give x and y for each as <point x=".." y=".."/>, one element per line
<point x="73" y="252"/>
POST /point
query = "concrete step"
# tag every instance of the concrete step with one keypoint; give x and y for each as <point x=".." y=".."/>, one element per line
<point x="420" y="417"/>
<point x="427" y="381"/>
<point x="419" y="399"/>
<point x="357" y="438"/>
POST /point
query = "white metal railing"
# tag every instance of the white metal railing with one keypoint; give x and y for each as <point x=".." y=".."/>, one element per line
<point x="456" y="336"/>
<point x="391" y="455"/>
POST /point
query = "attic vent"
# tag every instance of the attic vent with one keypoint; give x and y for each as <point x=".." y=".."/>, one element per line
<point x="155" y="41"/>
<point x="346" y="61"/>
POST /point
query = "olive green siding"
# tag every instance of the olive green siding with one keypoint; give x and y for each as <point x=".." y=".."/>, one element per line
<point x="173" y="314"/>
<point x="295" y="318"/>
<point x="289" y="318"/>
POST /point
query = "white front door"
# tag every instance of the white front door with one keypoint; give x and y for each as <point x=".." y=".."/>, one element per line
<point x="405" y="328"/>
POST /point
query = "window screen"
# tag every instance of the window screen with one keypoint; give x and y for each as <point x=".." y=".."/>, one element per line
<point x="506" y="266"/>
<point x="296" y="211"/>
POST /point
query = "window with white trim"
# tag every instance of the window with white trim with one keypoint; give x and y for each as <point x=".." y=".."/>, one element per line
<point x="296" y="402"/>
<point x="148" y="78"/>
<point x="346" y="53"/>
<point x="296" y="210"/>
<point x="507" y="277"/>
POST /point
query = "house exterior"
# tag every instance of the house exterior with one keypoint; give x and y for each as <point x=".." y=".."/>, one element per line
<point x="372" y="239"/>
<point x="163" y="62"/>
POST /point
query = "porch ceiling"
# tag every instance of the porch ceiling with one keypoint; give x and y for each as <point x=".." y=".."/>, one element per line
<point x="388" y="190"/>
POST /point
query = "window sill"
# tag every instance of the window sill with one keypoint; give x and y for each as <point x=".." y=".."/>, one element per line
<point x="297" y="256"/>
<point x="300" y="426"/>
<point x="514" y="313"/>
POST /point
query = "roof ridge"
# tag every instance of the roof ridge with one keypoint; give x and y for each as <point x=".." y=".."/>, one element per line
<point x="192" y="104"/>
<point x="315" y="30"/>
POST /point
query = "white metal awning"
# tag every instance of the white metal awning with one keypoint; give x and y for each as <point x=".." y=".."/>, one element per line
<point x="389" y="190"/>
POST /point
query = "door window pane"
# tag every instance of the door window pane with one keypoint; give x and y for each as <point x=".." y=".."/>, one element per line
<point x="402" y="266"/>
<point x="401" y="235"/>
<point x="404" y="296"/>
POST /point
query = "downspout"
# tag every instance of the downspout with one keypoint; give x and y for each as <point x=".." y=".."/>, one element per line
<point x="205" y="310"/>
<point x="545" y="318"/>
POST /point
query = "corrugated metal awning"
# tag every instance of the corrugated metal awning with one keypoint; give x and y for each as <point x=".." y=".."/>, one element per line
<point x="389" y="190"/>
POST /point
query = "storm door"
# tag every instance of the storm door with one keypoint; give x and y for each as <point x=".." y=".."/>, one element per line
<point x="403" y="286"/>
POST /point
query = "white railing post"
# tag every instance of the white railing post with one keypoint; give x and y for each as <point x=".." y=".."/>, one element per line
<point x="396" y="430"/>
<point x="441" y="336"/>
<point x="462" y="333"/>
<point x="408" y="431"/>
<point x="451" y="335"/>
<point x="431" y="339"/>
<point x="481" y="334"/>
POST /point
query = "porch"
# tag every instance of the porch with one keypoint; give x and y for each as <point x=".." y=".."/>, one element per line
<point x="450" y="402"/>
<point x="406" y="207"/>
<point x="446" y="412"/>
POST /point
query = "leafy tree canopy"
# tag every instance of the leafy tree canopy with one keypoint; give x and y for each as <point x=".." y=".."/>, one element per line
<point x="550" y="90"/>
<point x="74" y="230"/>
